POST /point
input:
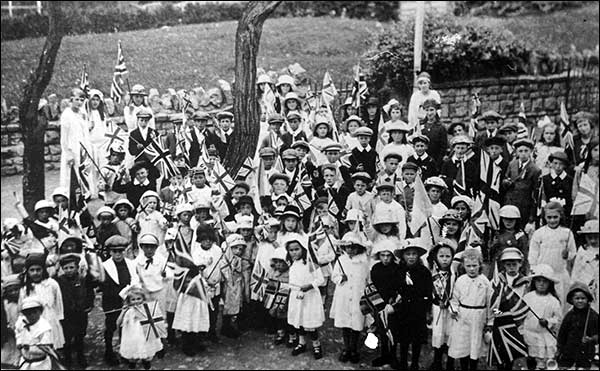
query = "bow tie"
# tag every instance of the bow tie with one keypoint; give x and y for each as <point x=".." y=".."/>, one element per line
<point x="148" y="262"/>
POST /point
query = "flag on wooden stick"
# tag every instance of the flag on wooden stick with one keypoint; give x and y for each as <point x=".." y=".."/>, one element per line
<point x="116" y="92"/>
<point x="84" y="83"/>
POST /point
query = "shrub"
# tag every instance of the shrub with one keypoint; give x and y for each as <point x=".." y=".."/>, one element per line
<point x="512" y="8"/>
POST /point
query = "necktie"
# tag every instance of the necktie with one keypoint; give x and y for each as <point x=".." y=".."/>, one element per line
<point x="148" y="262"/>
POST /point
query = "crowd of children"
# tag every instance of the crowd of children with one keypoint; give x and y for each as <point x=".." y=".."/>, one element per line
<point x="374" y="221"/>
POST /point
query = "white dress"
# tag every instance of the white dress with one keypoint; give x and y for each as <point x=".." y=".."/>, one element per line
<point x="38" y="333"/>
<point x="48" y="291"/>
<point x="97" y="138"/>
<point x="546" y="247"/>
<point x="74" y="131"/>
<point x="585" y="270"/>
<point x="134" y="345"/>
<point x="345" y="308"/>
<point x="415" y="111"/>
<point x="466" y="338"/>
<point x="308" y="310"/>
<point x="442" y="322"/>
<point x="540" y="342"/>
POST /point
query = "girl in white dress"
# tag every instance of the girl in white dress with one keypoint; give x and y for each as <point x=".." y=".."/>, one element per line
<point x="548" y="144"/>
<point x="37" y="283"/>
<point x="135" y="345"/>
<point x="424" y="92"/>
<point x="98" y="128"/>
<point x="350" y="274"/>
<point x="472" y="314"/>
<point x="305" y="307"/>
<point x="537" y="327"/>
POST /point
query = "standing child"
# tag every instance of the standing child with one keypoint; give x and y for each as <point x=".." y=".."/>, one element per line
<point x="549" y="143"/>
<point x="137" y="343"/>
<point x="471" y="300"/>
<point x="150" y="219"/>
<point x="36" y="282"/>
<point x="233" y="284"/>
<point x="305" y="308"/>
<point x="364" y="157"/>
<point x="360" y="199"/>
<point x="579" y="330"/>
<point x="510" y="234"/>
<point x="554" y="245"/>
<point x="350" y="275"/>
<point x="416" y="288"/>
<point x="34" y="337"/>
<point x="109" y="173"/>
<point x="416" y="107"/>
<point x="585" y="266"/>
<point x="433" y="129"/>
<point x="386" y="205"/>
<point x="440" y="260"/>
<point x="543" y="317"/>
<point x="421" y="157"/>
<point x="558" y="185"/>
<point x="436" y="188"/>
<point x="278" y="308"/>
<point x="405" y="191"/>
<point x="398" y="141"/>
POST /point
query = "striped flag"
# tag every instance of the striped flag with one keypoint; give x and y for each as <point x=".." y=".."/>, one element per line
<point x="258" y="282"/>
<point x="160" y="158"/>
<point x="328" y="92"/>
<point x="566" y="136"/>
<point x="459" y="185"/>
<point x="359" y="89"/>
<point x="268" y="101"/>
<point x="332" y="206"/>
<point x="84" y="83"/>
<point x="490" y="175"/>
<point x="222" y="178"/>
<point x="586" y="201"/>
<point x="475" y="111"/>
<point x="246" y="169"/>
<point x="116" y="92"/>
<point x="276" y="295"/>
<point x="371" y="301"/>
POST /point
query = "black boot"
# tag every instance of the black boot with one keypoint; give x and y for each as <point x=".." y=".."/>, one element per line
<point x="415" y="355"/>
<point x="109" y="355"/>
<point x="354" y="355"/>
<point x="80" y="354"/>
<point x="234" y="327"/>
<point x="187" y="345"/>
<point x="473" y="364"/>
<point x="464" y="363"/>
<point x="345" y="355"/>
<point x="404" y="356"/>
<point x="171" y="337"/>
<point x="449" y="364"/>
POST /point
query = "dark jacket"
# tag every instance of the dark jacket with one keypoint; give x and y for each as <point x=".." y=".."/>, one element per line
<point x="427" y="165"/>
<point x="134" y="192"/>
<point x="559" y="188"/>
<point x="522" y="188"/>
<point x="288" y="139"/>
<point x="438" y="141"/>
<point x="570" y="346"/>
<point x="368" y="159"/>
<point x="416" y="302"/>
<point x="135" y="138"/>
<point x="449" y="171"/>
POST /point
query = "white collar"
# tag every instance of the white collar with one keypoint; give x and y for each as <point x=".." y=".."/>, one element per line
<point x="523" y="163"/>
<point x="363" y="149"/>
<point x="174" y="189"/>
<point x="562" y="175"/>
<point x="143" y="131"/>
<point x="228" y="132"/>
<point x="425" y="155"/>
<point x="137" y="182"/>
<point x="295" y="132"/>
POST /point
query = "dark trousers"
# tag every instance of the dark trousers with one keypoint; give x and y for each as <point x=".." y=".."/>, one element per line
<point x="74" y="328"/>
<point x="110" y="326"/>
<point x="213" y="315"/>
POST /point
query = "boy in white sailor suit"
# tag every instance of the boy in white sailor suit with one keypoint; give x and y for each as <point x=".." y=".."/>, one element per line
<point x="120" y="272"/>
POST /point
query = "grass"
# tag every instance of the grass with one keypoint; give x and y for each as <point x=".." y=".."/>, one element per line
<point x="197" y="55"/>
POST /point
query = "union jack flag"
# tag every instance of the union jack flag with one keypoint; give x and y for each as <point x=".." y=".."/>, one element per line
<point x="246" y="169"/>
<point x="276" y="295"/>
<point x="153" y="322"/>
<point x="223" y="180"/>
<point x="116" y="92"/>
<point x="371" y="301"/>
<point x="359" y="89"/>
<point x="160" y="157"/>
<point x="258" y="282"/>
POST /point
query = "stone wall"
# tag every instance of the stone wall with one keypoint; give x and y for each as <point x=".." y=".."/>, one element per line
<point x="539" y="95"/>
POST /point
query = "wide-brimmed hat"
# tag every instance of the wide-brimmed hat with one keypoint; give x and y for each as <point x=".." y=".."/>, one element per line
<point x="383" y="245"/>
<point x="285" y="79"/>
<point x="296" y="237"/>
<point x="60" y="191"/>
<point x="353" y="239"/>
<point x="353" y="118"/>
<point x="511" y="253"/>
<point x="590" y="227"/>
<point x="449" y="215"/>
<point x="291" y="210"/>
<point x="245" y="222"/>
<point x="280" y="254"/>
<point x="397" y="125"/>
<point x="150" y="193"/>
<point x="184" y="207"/>
<point x="138" y="89"/>
<point x="354" y="215"/>
<point x="35" y="259"/>
<point x="412" y="243"/>
<point x="545" y="271"/>
<point x="582" y="287"/>
<point x="263" y="78"/>
<point x="235" y="239"/>
<point x="43" y="204"/>
<point x="385" y="217"/>
<point x="70" y="249"/>
<point x="123" y="201"/>
<point x="105" y="210"/>
<point x="292" y="96"/>
<point x="462" y="198"/>
<point x="31" y="302"/>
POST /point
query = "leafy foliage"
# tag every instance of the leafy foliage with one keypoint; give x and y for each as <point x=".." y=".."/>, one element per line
<point x="512" y="8"/>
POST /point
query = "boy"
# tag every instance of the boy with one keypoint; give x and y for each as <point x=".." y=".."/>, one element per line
<point x="273" y="139"/>
<point x="332" y="153"/>
<point x="331" y="188"/>
<point x="267" y="157"/>
<point x="361" y="198"/>
<point x="105" y="230"/>
<point x="292" y="170"/>
<point x="109" y="173"/>
<point x="239" y="190"/>
<point x="120" y="272"/>
<point x="558" y="185"/>
<point x="491" y="119"/>
<point x="135" y="188"/>
<point x="172" y="195"/>
<point x="434" y="130"/>
<point x="461" y="146"/>
<point x="435" y="188"/>
<point x="294" y="132"/>
<point x="364" y="157"/>
<point x="196" y="135"/>
<point x="212" y="138"/>
<point x="279" y="186"/>
<point x="77" y="303"/>
<point x="509" y="133"/>
<point x="211" y="252"/>
<point x="585" y="266"/>
<point x="521" y="181"/>
<point x="494" y="147"/>
<point x="385" y="205"/>
<point x="389" y="175"/>
<point x="200" y="190"/>
<point x="421" y="158"/>
<point x="225" y="119"/>
<point x="405" y="190"/>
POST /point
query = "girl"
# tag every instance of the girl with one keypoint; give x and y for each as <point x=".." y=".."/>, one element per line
<point x="538" y="329"/>
<point x="347" y="110"/>
<point x="471" y="302"/>
<point x="278" y="309"/>
<point x="510" y="235"/>
<point x="149" y="219"/>
<point x="549" y="143"/>
<point x="321" y="137"/>
<point x="305" y="308"/>
<point x="350" y="275"/>
<point x="347" y="138"/>
<point x="440" y="260"/>
<point x="585" y="266"/>
<point x="293" y="103"/>
<point x="135" y="344"/>
<point x="451" y="224"/>
<point x="355" y="225"/>
<point x="97" y="127"/>
<point x="36" y="282"/>
<point x="285" y="84"/>
<point x="324" y="250"/>
<point x="138" y="102"/>
<point x="415" y="288"/>
<point x="579" y="330"/>
<point x="31" y="332"/>
<point x="585" y="135"/>
<point x="233" y="281"/>
<point x="415" y="107"/>
<point x="398" y="143"/>
<point x="384" y="227"/>
<point x="554" y="245"/>
<point x="290" y="225"/>
<point x="384" y="275"/>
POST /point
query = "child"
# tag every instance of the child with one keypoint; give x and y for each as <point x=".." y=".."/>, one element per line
<point x="321" y="242"/>
<point x="278" y="309"/>
<point x="386" y="206"/>
<point x="200" y="190"/>
<point x="36" y="283"/>
<point x="521" y="181"/>
<point x="416" y="107"/>
<point x="77" y="304"/>
<point x="333" y="188"/>
<point x="585" y="130"/>
<point x="384" y="226"/>
<point x="558" y="185"/>
<point x="305" y="307"/>
<point x="471" y="301"/>
<point x="350" y="275"/>
<point x="321" y="137"/>
<point x="436" y="187"/>
<point x="510" y="234"/>
<point x="405" y="191"/>
<point x="432" y="128"/>
<point x="106" y="229"/>
<point x="290" y="225"/>
<point x="348" y="137"/>
<point x="136" y="187"/>
<point x="549" y="144"/>
<point x="421" y="158"/>
<point x="364" y="157"/>
<point x="585" y="266"/>
<point x="34" y="336"/>
<point x="509" y="286"/>
<point x="120" y="272"/>
<point x="389" y="174"/>
<point x="492" y="123"/>
<point x="415" y="288"/>
<point x="232" y="198"/>
<point x="384" y="275"/>
<point x="225" y="119"/>
<point x="440" y="260"/>
<point x="233" y="284"/>
<point x="451" y="224"/>
<point x="109" y="173"/>
<point x="398" y="131"/>
<point x="579" y="330"/>
<point x="294" y="130"/>
<point x="355" y="225"/>
<point x="462" y="160"/>
<point x="360" y="199"/>
<point x="137" y="343"/>
<point x="124" y="222"/>
<point x="554" y="245"/>
<point x="538" y="329"/>
<point x="372" y="116"/>
<point x="149" y="219"/>
<point x="172" y="195"/>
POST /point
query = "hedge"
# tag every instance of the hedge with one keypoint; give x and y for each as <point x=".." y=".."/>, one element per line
<point x="512" y="8"/>
<point x="81" y="20"/>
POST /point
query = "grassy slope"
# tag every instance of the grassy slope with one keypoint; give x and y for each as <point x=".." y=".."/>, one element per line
<point x="194" y="55"/>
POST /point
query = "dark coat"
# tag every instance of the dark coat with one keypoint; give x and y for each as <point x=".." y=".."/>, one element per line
<point x="438" y="141"/>
<point x="385" y="278"/>
<point x="428" y="166"/>
<point x="110" y="289"/>
<point x="570" y="346"/>
<point x="339" y="196"/>
<point x="134" y="192"/>
<point x="135" y="138"/>
<point x="288" y="139"/>
<point x="368" y="159"/>
<point x="416" y="303"/>
<point x="559" y="188"/>
<point x="521" y="188"/>
<point x="78" y="300"/>
<point x="450" y="170"/>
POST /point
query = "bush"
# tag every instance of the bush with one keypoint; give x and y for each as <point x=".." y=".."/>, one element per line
<point x="82" y="20"/>
<point x="454" y="52"/>
<point x="512" y="8"/>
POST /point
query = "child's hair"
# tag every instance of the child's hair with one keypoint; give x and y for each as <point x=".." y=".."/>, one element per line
<point x="404" y="138"/>
<point x="432" y="256"/>
<point x="518" y="226"/>
<point x="393" y="232"/>
<point x="304" y="256"/>
<point x="556" y="141"/>
<point x="551" y="286"/>
<point x="275" y="260"/>
<point x="329" y="130"/>
<point x="473" y="254"/>
<point x="26" y="281"/>
<point x="555" y="206"/>
<point x="135" y="290"/>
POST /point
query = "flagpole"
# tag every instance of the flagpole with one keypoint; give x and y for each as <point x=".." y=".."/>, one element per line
<point x="531" y="310"/>
<point x="418" y="41"/>
<point x="331" y="243"/>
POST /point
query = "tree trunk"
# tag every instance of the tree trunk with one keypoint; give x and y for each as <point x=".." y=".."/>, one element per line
<point x="33" y="125"/>
<point x="245" y="105"/>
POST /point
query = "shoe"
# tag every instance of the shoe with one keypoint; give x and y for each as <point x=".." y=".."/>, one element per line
<point x="354" y="357"/>
<point x="318" y="352"/>
<point x="380" y="361"/>
<point x="299" y="349"/>
<point x="280" y="339"/>
<point x="131" y="365"/>
<point x="291" y="341"/>
<point x="111" y="359"/>
<point x="344" y="356"/>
